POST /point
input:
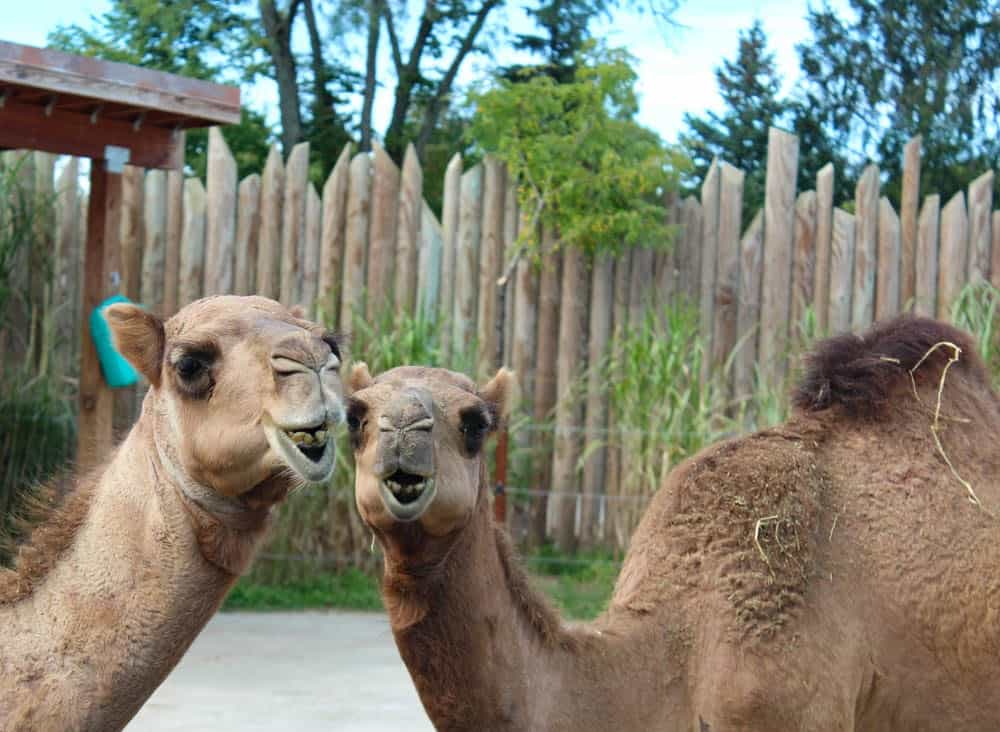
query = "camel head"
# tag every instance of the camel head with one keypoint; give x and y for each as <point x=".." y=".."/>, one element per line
<point x="244" y="396"/>
<point x="418" y="436"/>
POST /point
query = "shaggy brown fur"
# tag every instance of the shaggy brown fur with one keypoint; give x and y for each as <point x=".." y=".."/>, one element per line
<point x="831" y="573"/>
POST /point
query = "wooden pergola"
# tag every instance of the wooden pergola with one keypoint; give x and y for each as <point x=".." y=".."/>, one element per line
<point x="114" y="114"/>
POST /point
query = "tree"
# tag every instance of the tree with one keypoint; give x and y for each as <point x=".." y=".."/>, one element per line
<point x="749" y="86"/>
<point x="582" y="162"/>
<point x="901" y="68"/>
<point x="204" y="39"/>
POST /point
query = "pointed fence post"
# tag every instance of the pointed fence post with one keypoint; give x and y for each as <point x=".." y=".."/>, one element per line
<point x="333" y="236"/>
<point x="247" y="235"/>
<point x="887" y="293"/>
<point x="192" y="242"/>
<point x="272" y="186"/>
<point x="824" y="238"/>
<point x="450" y="208"/>
<point x="466" y="274"/>
<point x="429" y="268"/>
<point x="310" y="251"/>
<point x="710" y="191"/>
<point x="172" y="251"/>
<point x="865" y="249"/>
<point x="220" y="232"/>
<point x="926" y="268"/>
<point x="490" y="262"/>
<point x="841" y="271"/>
<point x="293" y="224"/>
<point x="803" y="263"/>
<point x="953" y="258"/>
<point x="382" y="232"/>
<point x="748" y="314"/>
<point x="408" y="231"/>
<point x="725" y="315"/>
<point x="909" y="203"/>
<point x="154" y="234"/>
<point x="980" y="207"/>
<point x="779" y="240"/>
<point x="133" y="195"/>
<point x="689" y="253"/>
<point x="353" y="295"/>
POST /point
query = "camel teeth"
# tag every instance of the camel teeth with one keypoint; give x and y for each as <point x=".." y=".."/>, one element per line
<point x="306" y="438"/>
<point x="321" y="436"/>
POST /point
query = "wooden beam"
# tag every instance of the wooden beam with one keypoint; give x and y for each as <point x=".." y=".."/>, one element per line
<point x="83" y="135"/>
<point x="101" y="259"/>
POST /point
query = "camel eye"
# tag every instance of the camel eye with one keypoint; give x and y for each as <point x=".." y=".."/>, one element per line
<point x="473" y="424"/>
<point x="356" y="412"/>
<point x="189" y="367"/>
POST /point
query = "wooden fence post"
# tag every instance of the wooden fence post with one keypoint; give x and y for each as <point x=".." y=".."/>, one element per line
<point x="865" y="248"/>
<point x="130" y="260"/>
<point x="569" y="409"/>
<point x="980" y="207"/>
<point x="953" y="258"/>
<point x="411" y="198"/>
<point x="172" y="249"/>
<point x="247" y="235"/>
<point x="192" y="261"/>
<point x="689" y="255"/>
<point x="595" y="445"/>
<point x="803" y="263"/>
<point x="382" y="231"/>
<point x="67" y="280"/>
<point x="546" y="354"/>
<point x="748" y="312"/>
<point x="293" y="224"/>
<point x="220" y="231"/>
<point x="824" y="238"/>
<point x="710" y="191"/>
<point x="353" y="293"/>
<point x="887" y="295"/>
<point x="841" y="271"/>
<point x="154" y="234"/>
<point x="272" y="184"/>
<point x="450" y="207"/>
<point x="730" y="212"/>
<point x="310" y="251"/>
<point x="334" y="233"/>
<point x="467" y="262"/>
<point x="490" y="262"/>
<point x="926" y="267"/>
<point x="429" y="268"/>
<point x="779" y="234"/>
<point x="909" y="203"/>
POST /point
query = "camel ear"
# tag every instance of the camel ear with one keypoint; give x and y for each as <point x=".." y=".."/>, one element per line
<point x="499" y="393"/>
<point x="139" y="337"/>
<point x="360" y="378"/>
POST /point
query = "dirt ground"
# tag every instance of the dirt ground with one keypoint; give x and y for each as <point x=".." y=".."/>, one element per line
<point x="303" y="671"/>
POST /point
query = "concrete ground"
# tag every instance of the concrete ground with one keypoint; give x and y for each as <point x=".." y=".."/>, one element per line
<point x="303" y="671"/>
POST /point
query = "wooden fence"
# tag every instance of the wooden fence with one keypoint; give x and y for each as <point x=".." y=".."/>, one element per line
<point x="369" y="240"/>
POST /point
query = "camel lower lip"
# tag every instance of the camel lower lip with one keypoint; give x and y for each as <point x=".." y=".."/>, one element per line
<point x="312" y="462"/>
<point x="418" y="497"/>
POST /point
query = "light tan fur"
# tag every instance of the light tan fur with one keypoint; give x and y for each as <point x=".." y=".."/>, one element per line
<point x="111" y="587"/>
<point x="829" y="574"/>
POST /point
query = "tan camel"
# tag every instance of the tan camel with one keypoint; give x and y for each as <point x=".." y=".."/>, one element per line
<point x="113" y="586"/>
<point x="829" y="574"/>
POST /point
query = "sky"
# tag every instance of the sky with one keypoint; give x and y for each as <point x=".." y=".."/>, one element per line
<point x="676" y="65"/>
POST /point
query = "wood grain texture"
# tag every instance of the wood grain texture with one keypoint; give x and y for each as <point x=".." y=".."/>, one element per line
<point x="888" y="282"/>
<point x="748" y="315"/>
<point x="467" y="260"/>
<point x="841" y="272"/>
<point x="356" y="242"/>
<point x="803" y="263"/>
<point x="926" y="266"/>
<point x="709" y="256"/>
<point x="451" y="205"/>
<point x="130" y="237"/>
<point x="382" y="230"/>
<point x="154" y="241"/>
<point x="333" y="237"/>
<point x="408" y="231"/>
<point x="824" y="239"/>
<point x="429" y="267"/>
<point x="220" y="228"/>
<point x="727" y="268"/>
<point x="175" y="228"/>
<point x="310" y="251"/>
<point x="192" y="242"/>
<point x="980" y="242"/>
<point x="272" y="187"/>
<point x="779" y="239"/>
<point x="247" y="235"/>
<point x="953" y="254"/>
<point x="491" y="257"/>
<point x="689" y="253"/>
<point x="865" y="249"/>
<point x="908" y="212"/>
<point x="293" y="224"/>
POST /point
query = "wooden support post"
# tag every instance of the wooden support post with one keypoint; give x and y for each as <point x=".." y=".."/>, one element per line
<point x="101" y="260"/>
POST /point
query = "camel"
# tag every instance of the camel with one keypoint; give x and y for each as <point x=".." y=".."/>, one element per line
<point x="111" y="587"/>
<point x="832" y="573"/>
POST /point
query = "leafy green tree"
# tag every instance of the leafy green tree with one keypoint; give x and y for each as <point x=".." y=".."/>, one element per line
<point x="750" y="88"/>
<point x="900" y="68"/>
<point x="582" y="162"/>
<point x="203" y="39"/>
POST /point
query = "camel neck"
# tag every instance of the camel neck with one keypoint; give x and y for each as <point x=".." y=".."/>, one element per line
<point x="486" y="652"/>
<point x="120" y="606"/>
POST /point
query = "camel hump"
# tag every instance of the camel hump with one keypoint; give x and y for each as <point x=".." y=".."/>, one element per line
<point x="860" y="372"/>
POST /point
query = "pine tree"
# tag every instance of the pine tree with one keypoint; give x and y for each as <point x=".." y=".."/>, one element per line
<point x="749" y="86"/>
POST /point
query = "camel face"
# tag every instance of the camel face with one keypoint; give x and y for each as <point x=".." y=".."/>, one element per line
<point x="244" y="395"/>
<point x="418" y="435"/>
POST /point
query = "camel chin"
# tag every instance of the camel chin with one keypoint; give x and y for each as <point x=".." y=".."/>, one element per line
<point x="407" y="496"/>
<point x="309" y="452"/>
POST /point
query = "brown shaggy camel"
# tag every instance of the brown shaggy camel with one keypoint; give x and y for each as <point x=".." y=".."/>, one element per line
<point x="113" y="585"/>
<point x="832" y="573"/>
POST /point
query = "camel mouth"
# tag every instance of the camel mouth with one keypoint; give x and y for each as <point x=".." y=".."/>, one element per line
<point x="407" y="495"/>
<point x="308" y="451"/>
